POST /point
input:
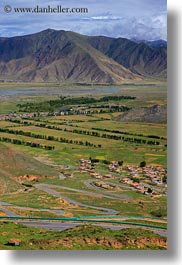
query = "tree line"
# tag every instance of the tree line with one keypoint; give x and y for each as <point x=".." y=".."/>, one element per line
<point x="49" y="137"/>
<point x="130" y="133"/>
<point x="26" y="143"/>
<point x="104" y="135"/>
<point x="52" y="105"/>
<point x="96" y="134"/>
<point x="79" y="131"/>
<point x="83" y="131"/>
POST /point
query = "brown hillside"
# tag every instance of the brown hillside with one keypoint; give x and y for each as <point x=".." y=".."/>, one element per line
<point x="68" y="57"/>
<point x="52" y="56"/>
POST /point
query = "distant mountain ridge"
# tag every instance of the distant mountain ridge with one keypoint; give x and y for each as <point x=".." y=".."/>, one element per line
<point x="68" y="57"/>
<point x="139" y="58"/>
<point x="152" y="43"/>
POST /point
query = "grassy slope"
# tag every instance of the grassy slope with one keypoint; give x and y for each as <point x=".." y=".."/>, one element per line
<point x="80" y="237"/>
<point x="16" y="163"/>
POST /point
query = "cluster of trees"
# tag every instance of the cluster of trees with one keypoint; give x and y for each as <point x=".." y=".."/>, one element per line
<point x="52" y="105"/>
<point x="115" y="98"/>
<point x="48" y="137"/>
<point x="26" y="143"/>
<point x="107" y="109"/>
<point x="135" y="179"/>
<point x="106" y="162"/>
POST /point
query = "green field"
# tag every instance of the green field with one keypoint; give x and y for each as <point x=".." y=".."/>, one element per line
<point x="110" y="150"/>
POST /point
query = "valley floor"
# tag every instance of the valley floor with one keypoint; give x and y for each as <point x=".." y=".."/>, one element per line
<point x="81" y="170"/>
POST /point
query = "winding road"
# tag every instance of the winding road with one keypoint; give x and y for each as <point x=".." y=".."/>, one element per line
<point x="90" y="184"/>
<point x="66" y="223"/>
<point x="60" y="226"/>
<point x="50" y="189"/>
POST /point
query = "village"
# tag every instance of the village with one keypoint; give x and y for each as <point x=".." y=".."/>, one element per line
<point x="66" y="110"/>
<point x="149" y="180"/>
<point x="8" y="116"/>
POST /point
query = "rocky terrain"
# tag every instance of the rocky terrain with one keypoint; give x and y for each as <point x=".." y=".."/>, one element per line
<point x="153" y="114"/>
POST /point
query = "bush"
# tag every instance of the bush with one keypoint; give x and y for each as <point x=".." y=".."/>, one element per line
<point x="161" y="212"/>
<point x="143" y="164"/>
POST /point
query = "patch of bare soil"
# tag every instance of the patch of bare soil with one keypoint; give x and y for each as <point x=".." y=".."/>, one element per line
<point x="66" y="204"/>
<point x="2" y="214"/>
<point x="30" y="178"/>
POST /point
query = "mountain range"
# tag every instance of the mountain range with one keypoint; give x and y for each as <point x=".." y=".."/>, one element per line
<point x="69" y="57"/>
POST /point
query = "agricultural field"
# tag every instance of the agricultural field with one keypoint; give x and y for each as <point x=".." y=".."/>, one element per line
<point x="76" y="160"/>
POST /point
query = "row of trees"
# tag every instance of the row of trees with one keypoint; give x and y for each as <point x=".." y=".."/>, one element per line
<point x="84" y="132"/>
<point x="27" y="122"/>
<point x="48" y="137"/>
<point x="129" y="133"/>
<point x="96" y="134"/>
<point x="140" y="141"/>
<point x="26" y="143"/>
<point x="114" y="137"/>
<point x="107" y="109"/>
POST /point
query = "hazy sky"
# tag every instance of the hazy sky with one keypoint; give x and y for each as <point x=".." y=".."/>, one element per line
<point x="141" y="19"/>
